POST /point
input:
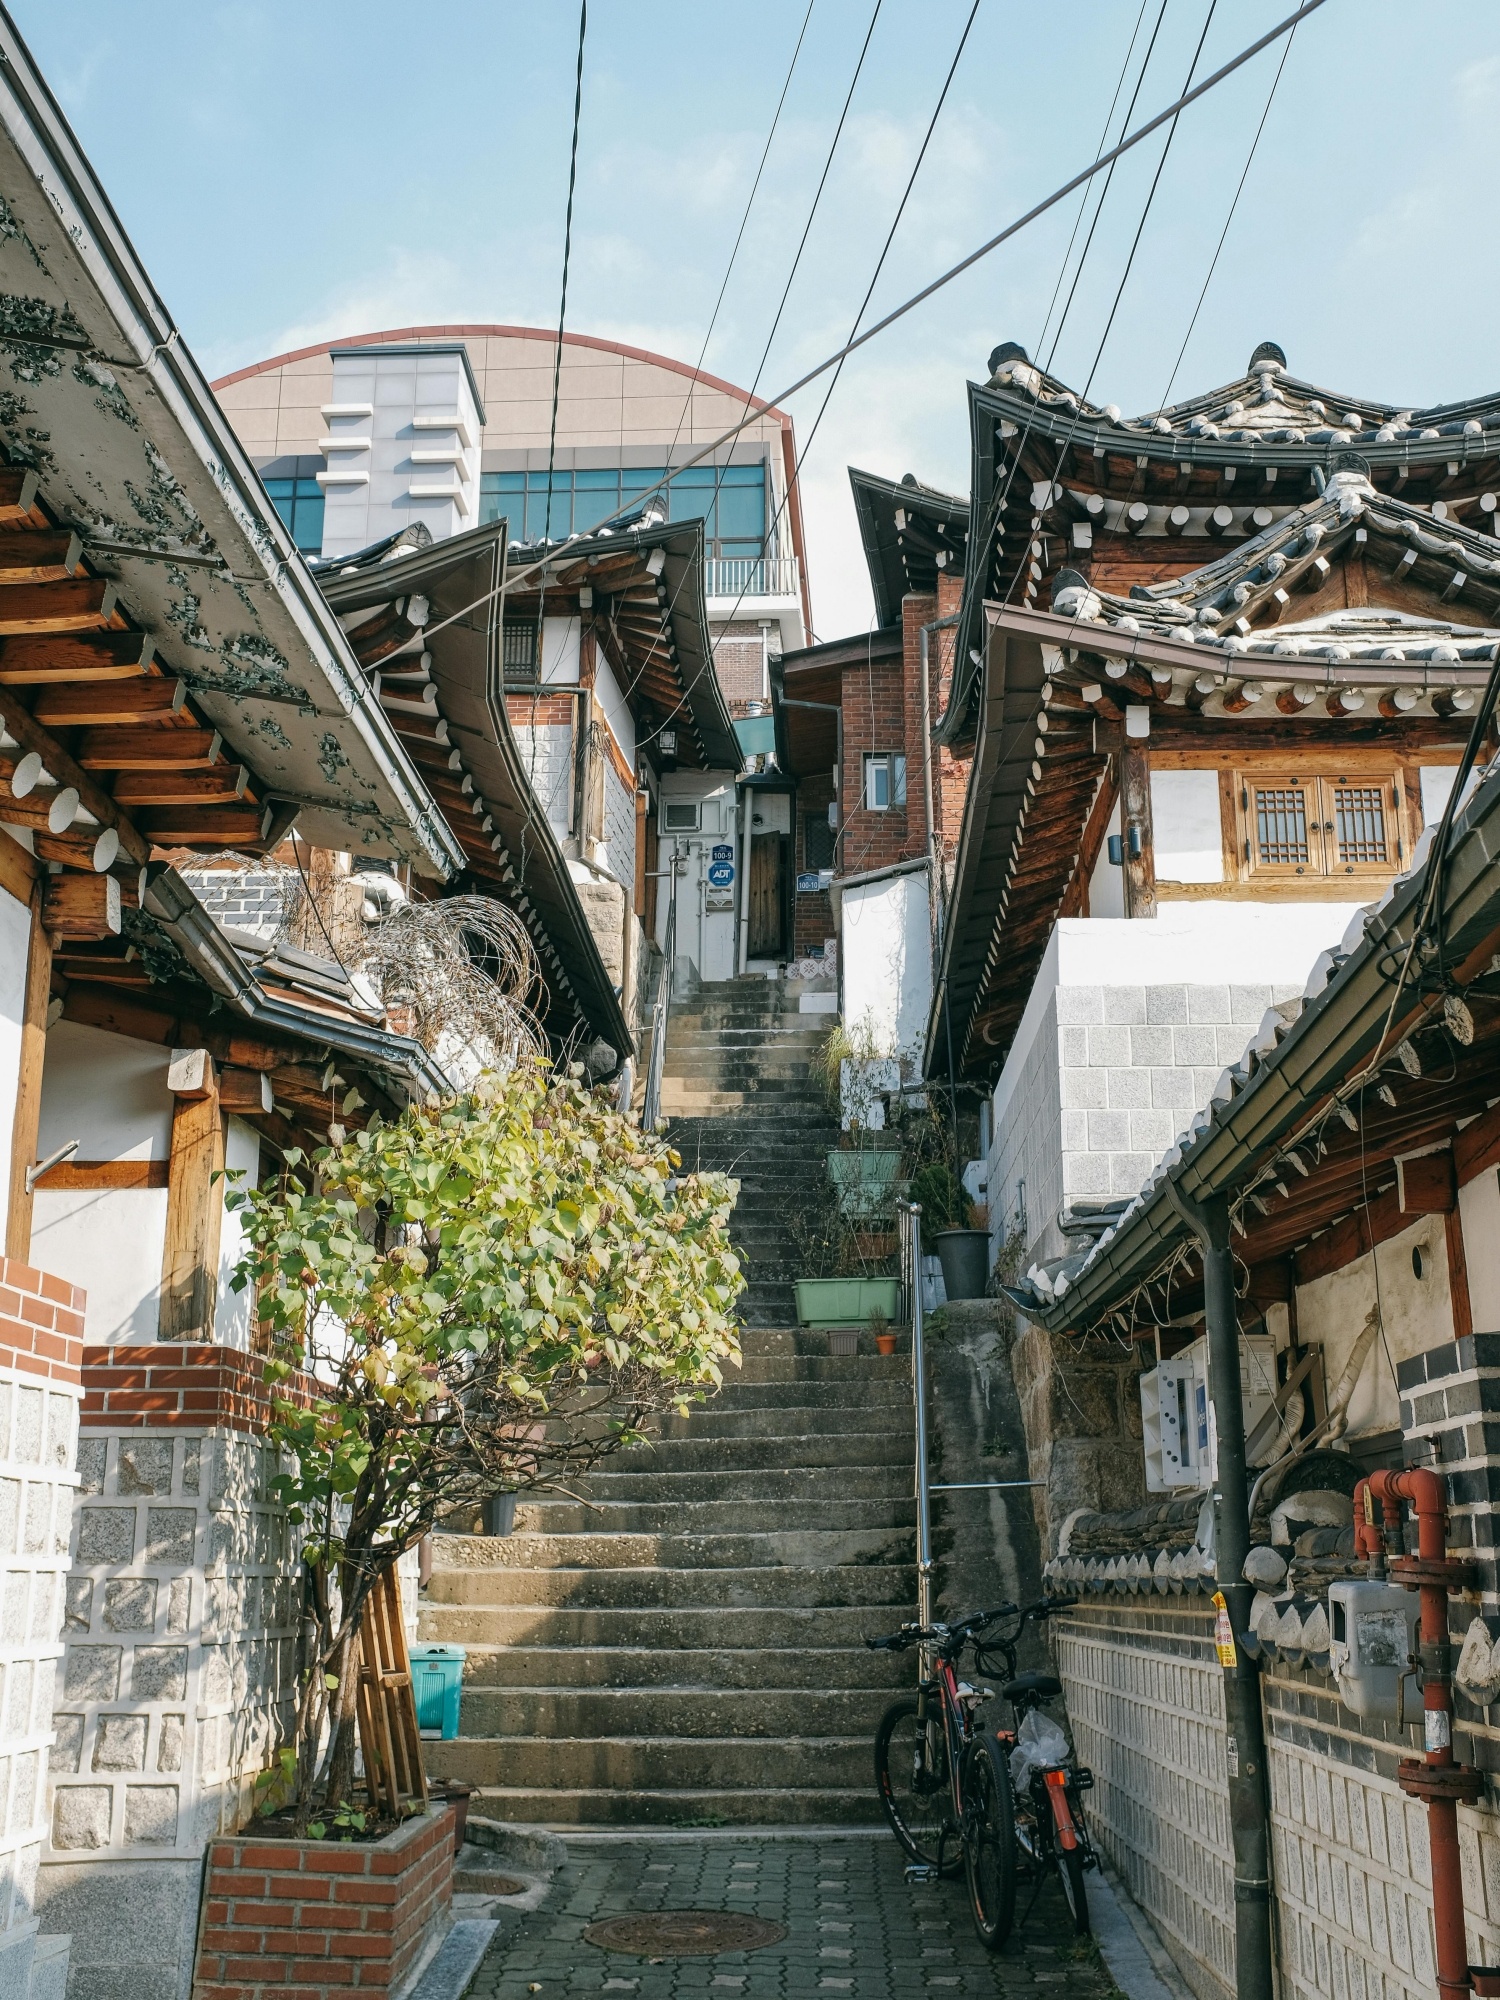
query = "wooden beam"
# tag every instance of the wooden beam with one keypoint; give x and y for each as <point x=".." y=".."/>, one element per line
<point x="28" y="661"/>
<point x="18" y="869"/>
<point x="100" y="1175"/>
<point x="109" y="704"/>
<point x="81" y="906"/>
<point x="36" y="999"/>
<point x="1355" y="1236"/>
<point x="31" y="736"/>
<point x="1425" y="1186"/>
<point x="204" y="826"/>
<point x="27" y="557"/>
<point x="183" y="788"/>
<point x="246" y="1092"/>
<point x="18" y="487"/>
<point x="1458" y="1275"/>
<point x="148" y="749"/>
<point x="78" y="604"/>
<point x="195" y="1206"/>
<point x="1135" y="813"/>
<point x="1477" y="1147"/>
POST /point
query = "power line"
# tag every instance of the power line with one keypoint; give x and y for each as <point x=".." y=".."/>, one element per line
<point x="562" y="311"/>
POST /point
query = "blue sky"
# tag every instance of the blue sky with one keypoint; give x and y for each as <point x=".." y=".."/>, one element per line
<point x="291" y="172"/>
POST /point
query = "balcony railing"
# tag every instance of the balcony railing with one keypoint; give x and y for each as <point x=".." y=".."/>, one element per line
<point x="751" y="576"/>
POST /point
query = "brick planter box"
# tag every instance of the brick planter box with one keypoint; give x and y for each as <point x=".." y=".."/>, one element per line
<point x="315" y="1920"/>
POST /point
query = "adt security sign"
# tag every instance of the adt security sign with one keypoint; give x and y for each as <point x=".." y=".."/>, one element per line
<point x="722" y="851"/>
<point x="721" y="874"/>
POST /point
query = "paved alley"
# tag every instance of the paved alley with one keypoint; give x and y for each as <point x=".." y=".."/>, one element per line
<point x="853" y="1926"/>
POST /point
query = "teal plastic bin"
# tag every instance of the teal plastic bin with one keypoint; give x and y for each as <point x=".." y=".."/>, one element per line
<point x="437" y="1678"/>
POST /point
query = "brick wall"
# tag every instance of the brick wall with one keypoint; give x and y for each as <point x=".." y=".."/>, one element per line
<point x="740" y="662"/>
<point x="41" y="1323"/>
<point x="187" y="1385"/>
<point x="812" y="916"/>
<point x="247" y="899"/>
<point x="303" y="1920"/>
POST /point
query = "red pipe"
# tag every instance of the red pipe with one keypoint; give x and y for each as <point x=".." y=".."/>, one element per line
<point x="1437" y="1780"/>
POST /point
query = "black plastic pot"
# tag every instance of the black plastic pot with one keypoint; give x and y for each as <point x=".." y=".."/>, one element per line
<point x="965" y="1258"/>
<point x="500" y="1514"/>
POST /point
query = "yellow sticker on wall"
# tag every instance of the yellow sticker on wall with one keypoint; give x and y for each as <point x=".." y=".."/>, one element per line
<point x="1224" y="1632"/>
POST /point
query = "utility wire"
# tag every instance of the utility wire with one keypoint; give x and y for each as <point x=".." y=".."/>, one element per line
<point x="928" y="291"/>
<point x="562" y="311"/>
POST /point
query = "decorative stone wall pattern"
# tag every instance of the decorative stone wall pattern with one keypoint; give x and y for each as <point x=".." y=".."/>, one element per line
<point x="246" y="899"/>
<point x="41" y="1349"/>
<point x="619" y="829"/>
<point x="1145" y="1701"/>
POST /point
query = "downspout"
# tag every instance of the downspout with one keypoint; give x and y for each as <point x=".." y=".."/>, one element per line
<point x="746" y="837"/>
<point x="1437" y="1780"/>
<point x="1248" y="1805"/>
<point x="934" y="887"/>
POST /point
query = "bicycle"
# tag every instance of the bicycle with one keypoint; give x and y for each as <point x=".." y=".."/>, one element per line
<point x="941" y="1773"/>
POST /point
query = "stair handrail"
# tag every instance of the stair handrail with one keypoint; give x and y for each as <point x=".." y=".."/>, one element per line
<point x="909" y="1226"/>
<point x="656" y="1061"/>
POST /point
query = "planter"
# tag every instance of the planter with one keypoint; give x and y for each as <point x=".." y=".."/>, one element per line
<point x="843" y="1341"/>
<point x="845" y="1301"/>
<point x="885" y="1343"/>
<point x="965" y="1258"/>
<point x="303" y="1913"/>
<point x="866" y="1183"/>
<point x="450" y="1792"/>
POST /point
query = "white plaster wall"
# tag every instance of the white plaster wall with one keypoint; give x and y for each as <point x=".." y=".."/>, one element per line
<point x="1185" y="825"/>
<point x="15" y="944"/>
<point x="1437" y="783"/>
<point x="1416" y="1313"/>
<point x="885" y="952"/>
<point x="705" y="937"/>
<point x="1107" y="883"/>
<point x="232" y="1312"/>
<point x="110" y="1093"/>
<point x="560" y="644"/>
<point x="1479" y="1212"/>
<point x="611" y="699"/>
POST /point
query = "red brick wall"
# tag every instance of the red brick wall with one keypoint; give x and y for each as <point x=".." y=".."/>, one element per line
<point x="306" y="1920"/>
<point x="812" y="916"/>
<point x="740" y="662"/>
<point x="41" y="1323"/>
<point x="176" y="1385"/>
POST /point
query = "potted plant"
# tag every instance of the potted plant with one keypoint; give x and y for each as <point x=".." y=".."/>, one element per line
<point x="841" y="1284"/>
<point x="947" y="1225"/>
<point x="430" y="1291"/>
<point x="884" y="1332"/>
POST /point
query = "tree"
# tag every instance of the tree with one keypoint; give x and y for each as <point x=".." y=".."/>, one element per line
<point x="483" y="1295"/>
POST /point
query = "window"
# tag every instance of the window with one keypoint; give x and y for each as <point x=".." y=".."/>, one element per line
<point x="885" y="781"/>
<point x="299" y="502"/>
<point x="730" y="500"/>
<point x="679" y="815"/>
<point x="1315" y="825"/>
<point x="817" y="841"/>
<point x="518" y="653"/>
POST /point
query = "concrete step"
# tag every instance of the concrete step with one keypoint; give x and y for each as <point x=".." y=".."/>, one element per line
<point x="614" y="1714"/>
<point x="753" y="1668"/>
<point x="795" y="1547"/>
<point x="752" y="1490"/>
<point x="811" y="1632"/>
<point x="836" y="1450"/>
<point x="649" y="1763"/>
<point x="855" y="1805"/>
<point x="891" y="1583"/>
<point x="628" y="1519"/>
<point x="879" y="1380"/>
<point x="787" y="1421"/>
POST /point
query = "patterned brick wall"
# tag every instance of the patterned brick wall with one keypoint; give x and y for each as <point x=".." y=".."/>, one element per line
<point x="320" y="1921"/>
<point x="1146" y="1705"/>
<point x="740" y="662"/>
<point x="247" y="899"/>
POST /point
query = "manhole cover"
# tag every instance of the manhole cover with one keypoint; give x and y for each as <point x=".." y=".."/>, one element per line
<point x="683" y="1933"/>
<point x="479" y="1882"/>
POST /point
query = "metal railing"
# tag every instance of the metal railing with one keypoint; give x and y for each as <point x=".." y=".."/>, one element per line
<point x="751" y="576"/>
<point x="661" y="1008"/>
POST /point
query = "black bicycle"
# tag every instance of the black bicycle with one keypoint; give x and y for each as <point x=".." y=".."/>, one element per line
<point x="944" y="1777"/>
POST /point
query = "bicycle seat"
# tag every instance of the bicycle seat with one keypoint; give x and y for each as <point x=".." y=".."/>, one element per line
<point x="1033" y="1687"/>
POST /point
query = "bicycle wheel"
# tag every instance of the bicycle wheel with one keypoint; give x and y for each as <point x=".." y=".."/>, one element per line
<point x="1070" y="1873"/>
<point x="989" y="1842"/>
<point x="913" y="1788"/>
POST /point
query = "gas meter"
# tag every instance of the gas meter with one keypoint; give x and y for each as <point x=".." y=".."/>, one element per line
<point x="1372" y="1640"/>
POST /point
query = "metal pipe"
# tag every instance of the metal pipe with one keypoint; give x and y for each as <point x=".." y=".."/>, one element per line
<point x="746" y="836"/>
<point x="910" y="1214"/>
<point x="1249" y="1816"/>
<point x="1437" y="1780"/>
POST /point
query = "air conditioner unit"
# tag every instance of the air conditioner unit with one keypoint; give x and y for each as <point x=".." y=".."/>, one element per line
<point x="1177" y="1430"/>
<point x="679" y="815"/>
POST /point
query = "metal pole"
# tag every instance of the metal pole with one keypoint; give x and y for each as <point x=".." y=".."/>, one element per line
<point x="746" y="835"/>
<point x="1244" y="1723"/>
<point x="911" y="1219"/>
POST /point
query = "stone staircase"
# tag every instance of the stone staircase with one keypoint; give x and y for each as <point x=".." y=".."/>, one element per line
<point x="690" y="1648"/>
<point x="687" y="1648"/>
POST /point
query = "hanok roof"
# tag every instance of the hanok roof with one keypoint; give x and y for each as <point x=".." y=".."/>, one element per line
<point x="807" y="737"/>
<point x="426" y="620"/>
<point x="911" y="534"/>
<point x="1319" y="1161"/>
<point x="144" y="563"/>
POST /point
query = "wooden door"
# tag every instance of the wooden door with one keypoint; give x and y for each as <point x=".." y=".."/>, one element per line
<point x="765" y="895"/>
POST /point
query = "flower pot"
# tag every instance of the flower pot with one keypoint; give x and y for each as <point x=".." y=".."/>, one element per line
<point x="866" y="1183"/>
<point x="845" y="1301"/>
<point x="965" y="1258"/>
<point x="843" y="1341"/>
<point x="885" y="1343"/>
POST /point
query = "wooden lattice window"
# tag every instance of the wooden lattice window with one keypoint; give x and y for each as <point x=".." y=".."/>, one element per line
<point x="1342" y="824"/>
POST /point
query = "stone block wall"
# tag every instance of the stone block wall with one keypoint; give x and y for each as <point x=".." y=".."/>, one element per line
<point x="41" y="1352"/>
<point x="1081" y="1410"/>
<point x="247" y="899"/>
<point x="1145" y="1696"/>
<point x="180" y="1673"/>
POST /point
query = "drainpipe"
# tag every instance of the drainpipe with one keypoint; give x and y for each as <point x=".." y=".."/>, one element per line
<point x="1437" y="1780"/>
<point x="745" y="839"/>
<point x="1248" y="1805"/>
<point x="928" y="815"/>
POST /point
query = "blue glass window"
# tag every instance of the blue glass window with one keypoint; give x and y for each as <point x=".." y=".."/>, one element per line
<point x="299" y="502"/>
<point x="734" y="516"/>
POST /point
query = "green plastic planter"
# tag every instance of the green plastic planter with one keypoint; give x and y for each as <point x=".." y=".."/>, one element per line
<point x="845" y="1301"/>
<point x="867" y="1183"/>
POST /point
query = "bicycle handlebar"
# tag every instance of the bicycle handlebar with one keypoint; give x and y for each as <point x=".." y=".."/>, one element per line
<point x="954" y="1638"/>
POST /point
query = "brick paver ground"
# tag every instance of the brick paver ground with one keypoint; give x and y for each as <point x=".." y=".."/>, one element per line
<point x="855" y="1928"/>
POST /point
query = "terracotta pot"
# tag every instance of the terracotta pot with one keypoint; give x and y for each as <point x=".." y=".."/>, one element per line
<point x="885" y="1343"/>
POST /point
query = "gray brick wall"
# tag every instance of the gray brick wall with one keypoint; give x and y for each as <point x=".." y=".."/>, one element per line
<point x="250" y="899"/>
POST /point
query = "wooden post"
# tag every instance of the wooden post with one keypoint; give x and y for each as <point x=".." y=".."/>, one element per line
<point x="1135" y="817"/>
<point x="28" y="1112"/>
<point x="195" y="1201"/>
<point x="1458" y="1274"/>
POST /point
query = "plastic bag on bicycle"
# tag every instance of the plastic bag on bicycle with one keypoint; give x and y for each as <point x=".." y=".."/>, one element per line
<point x="1040" y="1744"/>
